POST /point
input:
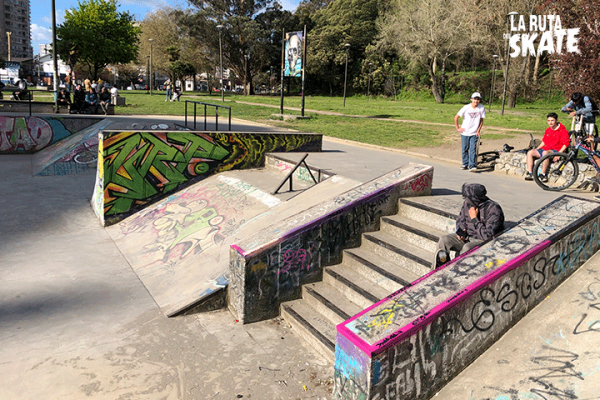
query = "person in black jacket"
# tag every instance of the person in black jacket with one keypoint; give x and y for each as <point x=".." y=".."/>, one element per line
<point x="78" y="100"/>
<point x="480" y="219"/>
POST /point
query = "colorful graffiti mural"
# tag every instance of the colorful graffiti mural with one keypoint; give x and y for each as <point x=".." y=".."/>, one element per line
<point x="179" y="247"/>
<point x="31" y="134"/>
<point x="141" y="167"/>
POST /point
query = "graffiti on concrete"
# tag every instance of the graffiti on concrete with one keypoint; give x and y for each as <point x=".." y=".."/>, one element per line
<point x="279" y="259"/>
<point x="378" y="190"/>
<point x="407" y="307"/>
<point x="187" y="237"/>
<point x="143" y="166"/>
<point x="422" y="335"/>
<point x="589" y="322"/>
<point x="24" y="134"/>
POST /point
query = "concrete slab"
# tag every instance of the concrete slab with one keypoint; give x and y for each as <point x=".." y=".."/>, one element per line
<point x="76" y="154"/>
<point x="76" y="320"/>
<point x="552" y="353"/>
<point x="180" y="247"/>
<point x="67" y="335"/>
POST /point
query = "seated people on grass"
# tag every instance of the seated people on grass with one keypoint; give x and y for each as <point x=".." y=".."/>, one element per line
<point x="556" y="139"/>
<point x="480" y="219"/>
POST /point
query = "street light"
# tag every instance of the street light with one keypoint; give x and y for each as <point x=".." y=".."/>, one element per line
<point x="507" y="62"/>
<point x="8" y="33"/>
<point x="347" y="46"/>
<point x="247" y="72"/>
<point x="54" y="57"/>
<point x="369" y="81"/>
<point x="151" y="75"/>
<point x="269" y="72"/>
<point x="220" y="27"/>
<point x="493" y="82"/>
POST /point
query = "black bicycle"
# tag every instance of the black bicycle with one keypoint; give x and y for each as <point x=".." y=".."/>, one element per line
<point x="563" y="168"/>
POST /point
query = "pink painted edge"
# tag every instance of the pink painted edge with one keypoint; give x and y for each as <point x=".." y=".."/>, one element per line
<point x="292" y="232"/>
<point x="409" y="329"/>
<point x="405" y="288"/>
<point x="238" y="249"/>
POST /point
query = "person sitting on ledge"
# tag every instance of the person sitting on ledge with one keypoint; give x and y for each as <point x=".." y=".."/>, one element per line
<point x="556" y="139"/>
<point x="480" y="219"/>
<point x="63" y="98"/>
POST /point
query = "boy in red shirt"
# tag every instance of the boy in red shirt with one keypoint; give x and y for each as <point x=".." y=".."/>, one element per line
<point x="556" y="139"/>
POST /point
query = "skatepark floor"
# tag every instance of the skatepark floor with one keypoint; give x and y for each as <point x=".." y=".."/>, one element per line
<point x="77" y="322"/>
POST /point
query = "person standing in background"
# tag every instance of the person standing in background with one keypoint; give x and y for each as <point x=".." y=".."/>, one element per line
<point x="473" y="115"/>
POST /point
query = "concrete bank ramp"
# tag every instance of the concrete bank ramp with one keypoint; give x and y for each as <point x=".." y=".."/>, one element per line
<point x="77" y="154"/>
<point x="180" y="247"/>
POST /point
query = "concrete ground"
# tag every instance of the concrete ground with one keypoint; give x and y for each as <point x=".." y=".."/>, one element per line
<point x="76" y="322"/>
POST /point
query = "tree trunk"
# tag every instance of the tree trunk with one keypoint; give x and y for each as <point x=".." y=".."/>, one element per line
<point x="536" y="67"/>
<point x="436" y="88"/>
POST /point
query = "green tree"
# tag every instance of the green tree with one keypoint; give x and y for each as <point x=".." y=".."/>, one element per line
<point x="170" y="43"/>
<point x="341" y="22"/>
<point x="243" y="38"/>
<point x="97" y="34"/>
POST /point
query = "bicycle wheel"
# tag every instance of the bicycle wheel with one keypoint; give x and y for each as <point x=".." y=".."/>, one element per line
<point x="561" y="173"/>
<point x="487" y="157"/>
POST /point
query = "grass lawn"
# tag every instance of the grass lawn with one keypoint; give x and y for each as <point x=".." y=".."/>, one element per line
<point x="380" y="129"/>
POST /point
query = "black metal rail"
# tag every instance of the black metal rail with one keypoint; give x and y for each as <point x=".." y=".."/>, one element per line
<point x="216" y="106"/>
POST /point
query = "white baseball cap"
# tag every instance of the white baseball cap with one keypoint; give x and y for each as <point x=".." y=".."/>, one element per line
<point x="476" y="94"/>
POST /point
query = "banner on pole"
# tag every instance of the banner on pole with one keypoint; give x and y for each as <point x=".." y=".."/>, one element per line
<point x="293" y="53"/>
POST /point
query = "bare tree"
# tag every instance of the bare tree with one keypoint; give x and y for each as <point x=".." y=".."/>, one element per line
<point x="428" y="33"/>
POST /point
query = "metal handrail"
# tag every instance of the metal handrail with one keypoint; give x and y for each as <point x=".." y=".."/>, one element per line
<point x="206" y="105"/>
<point x="29" y="98"/>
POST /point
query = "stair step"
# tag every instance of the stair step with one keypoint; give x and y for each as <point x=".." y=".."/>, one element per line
<point x="319" y="332"/>
<point x="330" y="302"/>
<point x="412" y="231"/>
<point x="356" y="287"/>
<point x="437" y="219"/>
<point x="407" y="255"/>
<point x="378" y="269"/>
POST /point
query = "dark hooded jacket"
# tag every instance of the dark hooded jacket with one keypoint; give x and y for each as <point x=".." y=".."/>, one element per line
<point x="490" y="220"/>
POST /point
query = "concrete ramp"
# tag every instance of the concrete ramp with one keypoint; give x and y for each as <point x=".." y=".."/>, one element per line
<point x="179" y="247"/>
<point x="77" y="154"/>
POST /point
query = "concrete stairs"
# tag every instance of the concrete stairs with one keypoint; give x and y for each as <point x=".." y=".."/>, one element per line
<point x="387" y="260"/>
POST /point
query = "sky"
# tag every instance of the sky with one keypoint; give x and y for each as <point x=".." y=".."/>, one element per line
<point x="41" y="14"/>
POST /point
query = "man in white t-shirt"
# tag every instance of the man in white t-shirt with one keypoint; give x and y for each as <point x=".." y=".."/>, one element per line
<point x="470" y="130"/>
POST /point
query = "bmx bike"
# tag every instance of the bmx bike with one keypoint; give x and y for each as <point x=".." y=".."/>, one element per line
<point x="563" y="168"/>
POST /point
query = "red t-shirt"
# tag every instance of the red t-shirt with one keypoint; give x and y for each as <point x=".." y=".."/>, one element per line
<point x="555" y="139"/>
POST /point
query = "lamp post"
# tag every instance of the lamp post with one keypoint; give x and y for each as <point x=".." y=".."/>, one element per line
<point x="369" y="81"/>
<point x="148" y="72"/>
<point x="220" y="27"/>
<point x="247" y="72"/>
<point x="54" y="57"/>
<point x="493" y="82"/>
<point x="8" y="33"/>
<point x="507" y="62"/>
<point x="151" y="75"/>
<point x="347" y="46"/>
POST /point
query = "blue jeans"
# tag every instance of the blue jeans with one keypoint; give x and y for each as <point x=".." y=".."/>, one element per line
<point x="469" y="144"/>
<point x="168" y="94"/>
